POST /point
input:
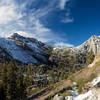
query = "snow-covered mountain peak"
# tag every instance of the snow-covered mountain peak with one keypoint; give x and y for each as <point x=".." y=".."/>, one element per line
<point x="30" y="50"/>
<point x="94" y="36"/>
<point x="21" y="33"/>
<point x="17" y="35"/>
<point x="14" y="35"/>
<point x="24" y="49"/>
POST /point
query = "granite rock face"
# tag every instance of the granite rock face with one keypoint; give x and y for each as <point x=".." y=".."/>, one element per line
<point x="31" y="51"/>
<point x="92" y="44"/>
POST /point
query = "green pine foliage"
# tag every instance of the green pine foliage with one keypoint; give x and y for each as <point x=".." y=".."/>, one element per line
<point x="17" y="82"/>
<point x="12" y="85"/>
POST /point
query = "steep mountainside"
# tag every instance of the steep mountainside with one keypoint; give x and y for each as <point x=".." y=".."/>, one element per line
<point x="93" y="43"/>
<point x="69" y="69"/>
<point x="31" y="51"/>
<point x="81" y="85"/>
<point x="80" y="53"/>
<point x="86" y="84"/>
<point x="23" y="49"/>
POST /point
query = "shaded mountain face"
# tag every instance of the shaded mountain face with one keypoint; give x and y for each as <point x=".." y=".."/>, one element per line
<point x="23" y="49"/>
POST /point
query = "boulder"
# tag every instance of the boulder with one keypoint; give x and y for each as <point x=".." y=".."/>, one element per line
<point x="68" y="98"/>
<point x="58" y="97"/>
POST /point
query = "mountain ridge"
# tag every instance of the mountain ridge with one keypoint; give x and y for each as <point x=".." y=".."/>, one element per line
<point x="92" y="43"/>
<point x="31" y="51"/>
<point x="25" y="50"/>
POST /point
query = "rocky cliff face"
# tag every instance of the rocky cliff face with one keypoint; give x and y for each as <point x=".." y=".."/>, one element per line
<point x="92" y="44"/>
<point x="81" y="52"/>
<point x="23" y="49"/>
<point x="29" y="50"/>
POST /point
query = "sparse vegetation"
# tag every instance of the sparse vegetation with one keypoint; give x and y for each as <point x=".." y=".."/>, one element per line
<point x="66" y="94"/>
<point x="83" y="81"/>
<point x="98" y="63"/>
<point x="52" y="78"/>
<point x="90" y="57"/>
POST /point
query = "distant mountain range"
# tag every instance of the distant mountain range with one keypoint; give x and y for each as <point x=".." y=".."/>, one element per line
<point x="31" y="51"/>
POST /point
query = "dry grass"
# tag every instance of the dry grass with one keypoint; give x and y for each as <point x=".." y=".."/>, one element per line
<point x="86" y="75"/>
<point x="57" y="88"/>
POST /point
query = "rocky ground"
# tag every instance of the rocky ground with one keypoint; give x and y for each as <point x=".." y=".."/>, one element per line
<point x="92" y="94"/>
<point x="92" y="89"/>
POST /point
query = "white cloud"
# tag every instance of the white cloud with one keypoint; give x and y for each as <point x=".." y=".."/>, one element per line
<point x="62" y="4"/>
<point x="8" y="12"/>
<point x="12" y="19"/>
<point x="68" y="20"/>
<point x="15" y="17"/>
<point x="63" y="45"/>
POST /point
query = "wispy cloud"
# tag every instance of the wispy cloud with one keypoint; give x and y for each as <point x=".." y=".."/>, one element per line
<point x="67" y="20"/>
<point x="63" y="45"/>
<point x="8" y="12"/>
<point x="26" y="16"/>
<point x="14" y="17"/>
<point x="62" y="3"/>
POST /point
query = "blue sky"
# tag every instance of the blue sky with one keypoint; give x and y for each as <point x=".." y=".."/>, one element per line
<point x="65" y="22"/>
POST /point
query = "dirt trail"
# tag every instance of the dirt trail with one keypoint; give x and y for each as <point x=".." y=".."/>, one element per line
<point x="51" y="91"/>
<point x="85" y="73"/>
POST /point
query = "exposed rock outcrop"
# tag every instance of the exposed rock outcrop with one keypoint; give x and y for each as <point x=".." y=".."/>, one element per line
<point x="68" y="98"/>
<point x="29" y="50"/>
<point x="92" y="44"/>
<point x="58" y="97"/>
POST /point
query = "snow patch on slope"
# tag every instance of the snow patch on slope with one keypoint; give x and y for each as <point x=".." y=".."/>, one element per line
<point x="16" y="52"/>
<point x="96" y="81"/>
<point x="87" y="96"/>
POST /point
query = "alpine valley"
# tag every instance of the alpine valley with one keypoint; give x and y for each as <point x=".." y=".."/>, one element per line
<point x="33" y="70"/>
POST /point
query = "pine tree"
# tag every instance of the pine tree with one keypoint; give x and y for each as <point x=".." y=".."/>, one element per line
<point x="29" y="76"/>
<point x="4" y="80"/>
<point x="11" y="86"/>
<point x="21" y="88"/>
<point x="2" y="93"/>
